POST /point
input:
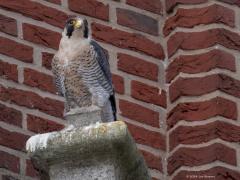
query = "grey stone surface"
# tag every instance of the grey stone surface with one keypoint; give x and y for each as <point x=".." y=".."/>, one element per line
<point x="85" y="116"/>
<point x="102" y="170"/>
<point x="96" y="152"/>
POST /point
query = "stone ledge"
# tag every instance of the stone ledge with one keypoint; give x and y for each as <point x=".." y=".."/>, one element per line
<point x="102" y="142"/>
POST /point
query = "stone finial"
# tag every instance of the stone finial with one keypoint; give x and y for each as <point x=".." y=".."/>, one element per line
<point x="104" y="151"/>
<point x="80" y="117"/>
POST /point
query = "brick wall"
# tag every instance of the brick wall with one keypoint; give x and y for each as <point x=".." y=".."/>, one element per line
<point x="175" y="67"/>
<point x="203" y="76"/>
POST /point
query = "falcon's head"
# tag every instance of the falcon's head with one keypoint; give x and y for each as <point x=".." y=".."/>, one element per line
<point x="76" y="26"/>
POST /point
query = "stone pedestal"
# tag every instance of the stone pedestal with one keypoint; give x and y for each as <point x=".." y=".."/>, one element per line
<point x="85" y="116"/>
<point x="104" y="151"/>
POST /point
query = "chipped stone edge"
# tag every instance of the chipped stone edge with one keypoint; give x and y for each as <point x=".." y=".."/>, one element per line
<point x="84" y="143"/>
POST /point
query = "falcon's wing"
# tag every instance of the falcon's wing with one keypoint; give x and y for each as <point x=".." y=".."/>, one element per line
<point x="58" y="78"/>
<point x="97" y="75"/>
<point x="102" y="59"/>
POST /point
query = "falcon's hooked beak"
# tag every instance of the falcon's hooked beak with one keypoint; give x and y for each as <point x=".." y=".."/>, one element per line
<point x="78" y="23"/>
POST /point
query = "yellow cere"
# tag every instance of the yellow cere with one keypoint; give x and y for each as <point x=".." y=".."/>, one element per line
<point x="77" y="24"/>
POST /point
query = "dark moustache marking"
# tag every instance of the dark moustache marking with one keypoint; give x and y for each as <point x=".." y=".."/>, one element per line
<point x="69" y="26"/>
<point x="85" y="33"/>
<point x="70" y="29"/>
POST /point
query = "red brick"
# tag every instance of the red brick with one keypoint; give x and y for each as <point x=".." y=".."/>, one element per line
<point x="147" y="93"/>
<point x="54" y="1"/>
<point x="41" y="125"/>
<point x="218" y="173"/>
<point x="16" y="50"/>
<point x="137" y="21"/>
<point x="154" y="6"/>
<point x="204" y="85"/>
<point x="137" y="66"/>
<point x="205" y="155"/>
<point x="9" y="162"/>
<point x="36" y="11"/>
<point x="13" y="139"/>
<point x="205" y="62"/>
<point x="118" y="83"/>
<point x="91" y="8"/>
<point x="8" y="71"/>
<point x="10" y="115"/>
<point x="188" y="18"/>
<point x="146" y="137"/>
<point x="30" y="170"/>
<point x="233" y="2"/>
<point x="139" y="113"/>
<point x="171" y="4"/>
<point x="204" y="39"/>
<point x="41" y="36"/>
<point x="8" y="25"/>
<point x="153" y="161"/>
<point x="125" y="40"/>
<point x="199" y="111"/>
<point x="32" y="101"/>
<point x="204" y="133"/>
<point x="39" y="80"/>
<point x="47" y="60"/>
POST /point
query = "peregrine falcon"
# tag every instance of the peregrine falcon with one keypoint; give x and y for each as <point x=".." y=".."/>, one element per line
<point x="81" y="70"/>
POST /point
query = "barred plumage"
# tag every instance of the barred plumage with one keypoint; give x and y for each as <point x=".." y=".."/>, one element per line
<point x="82" y="72"/>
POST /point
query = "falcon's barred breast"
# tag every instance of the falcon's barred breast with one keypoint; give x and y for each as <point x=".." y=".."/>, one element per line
<point x="82" y="72"/>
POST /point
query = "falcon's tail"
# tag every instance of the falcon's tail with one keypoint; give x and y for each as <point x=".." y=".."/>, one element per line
<point x="113" y="104"/>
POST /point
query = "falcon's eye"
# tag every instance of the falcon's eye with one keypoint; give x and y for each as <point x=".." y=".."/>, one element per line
<point x="71" y="22"/>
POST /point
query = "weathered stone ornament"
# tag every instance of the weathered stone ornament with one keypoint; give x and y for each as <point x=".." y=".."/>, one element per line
<point x="88" y="150"/>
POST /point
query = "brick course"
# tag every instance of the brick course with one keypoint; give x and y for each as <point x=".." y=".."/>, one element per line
<point x="153" y="161"/>
<point x="92" y="8"/>
<point x="9" y="162"/>
<point x="47" y="60"/>
<point x="205" y="155"/>
<point x="16" y="50"/>
<point x="39" y="80"/>
<point x="154" y="6"/>
<point x="203" y="39"/>
<point x="193" y="64"/>
<point x="146" y="137"/>
<point x="204" y="133"/>
<point x="10" y="115"/>
<point x="41" y="36"/>
<point x="198" y="111"/>
<point x="36" y="11"/>
<point x="8" y="71"/>
<point x="131" y="41"/>
<point x="139" y="113"/>
<point x="148" y="93"/>
<point x="40" y="125"/>
<point x="171" y="4"/>
<point x="13" y="139"/>
<point x="138" y="67"/>
<point x="206" y="15"/>
<point x="32" y="100"/>
<point x="137" y="21"/>
<point x="8" y="25"/>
